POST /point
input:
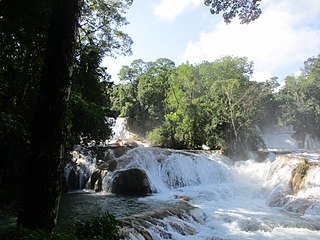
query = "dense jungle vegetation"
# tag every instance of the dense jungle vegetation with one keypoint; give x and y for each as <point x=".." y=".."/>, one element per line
<point x="30" y="32"/>
<point x="215" y="103"/>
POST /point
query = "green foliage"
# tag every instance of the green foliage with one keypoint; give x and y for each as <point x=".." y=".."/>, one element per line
<point x="152" y="87"/>
<point x="271" y="105"/>
<point x="100" y="21"/>
<point x="240" y="104"/>
<point x="100" y="228"/>
<point x="300" y="99"/>
<point x="155" y="137"/>
<point x="141" y="96"/>
<point x="105" y="227"/>
<point x="23" y="39"/>
<point x="211" y="103"/>
<point x="89" y="103"/>
<point x="247" y="10"/>
<point x="22" y="43"/>
<point x="302" y="167"/>
<point x="216" y="104"/>
<point x="298" y="175"/>
<point x="185" y="102"/>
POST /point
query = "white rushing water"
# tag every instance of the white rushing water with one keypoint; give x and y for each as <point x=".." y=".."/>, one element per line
<point x="245" y="200"/>
<point x="81" y="166"/>
<point x="241" y="200"/>
<point x="231" y="200"/>
<point x="120" y="129"/>
<point x="280" y="138"/>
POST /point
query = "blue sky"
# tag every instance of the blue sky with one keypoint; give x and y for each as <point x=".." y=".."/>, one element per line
<point x="285" y="35"/>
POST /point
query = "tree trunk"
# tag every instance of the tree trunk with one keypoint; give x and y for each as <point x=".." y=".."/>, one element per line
<point x="43" y="172"/>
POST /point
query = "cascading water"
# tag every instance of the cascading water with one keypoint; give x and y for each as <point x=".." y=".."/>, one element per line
<point x="168" y="169"/>
<point x="79" y="169"/>
<point x="311" y="142"/>
<point x="208" y="196"/>
<point x="119" y="129"/>
<point x="248" y="200"/>
<point x="280" y="138"/>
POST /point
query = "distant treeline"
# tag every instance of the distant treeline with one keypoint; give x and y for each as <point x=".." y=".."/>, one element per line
<point x="215" y="103"/>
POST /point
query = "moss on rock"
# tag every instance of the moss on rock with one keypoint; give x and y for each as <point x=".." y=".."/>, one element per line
<point x="298" y="175"/>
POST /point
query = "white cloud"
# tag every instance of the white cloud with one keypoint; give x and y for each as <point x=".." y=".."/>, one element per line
<point x="262" y="76"/>
<point x="298" y="73"/>
<point x="282" y="36"/>
<point x="114" y="66"/>
<point x="168" y="10"/>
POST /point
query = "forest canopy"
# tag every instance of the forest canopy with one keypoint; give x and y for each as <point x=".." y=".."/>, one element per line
<point x="214" y="103"/>
<point x="23" y="43"/>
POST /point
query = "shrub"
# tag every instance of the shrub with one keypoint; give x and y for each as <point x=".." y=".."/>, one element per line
<point x="155" y="137"/>
<point x="100" y="228"/>
<point x="103" y="228"/>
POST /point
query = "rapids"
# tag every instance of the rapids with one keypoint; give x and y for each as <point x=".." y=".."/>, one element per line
<point x="205" y="195"/>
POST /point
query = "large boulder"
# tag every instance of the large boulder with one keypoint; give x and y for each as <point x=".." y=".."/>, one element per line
<point x="109" y="165"/>
<point x="131" y="181"/>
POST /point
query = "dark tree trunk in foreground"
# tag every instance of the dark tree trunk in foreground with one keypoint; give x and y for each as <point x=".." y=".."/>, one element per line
<point x="43" y="172"/>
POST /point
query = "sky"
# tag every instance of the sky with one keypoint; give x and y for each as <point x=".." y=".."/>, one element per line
<point x="286" y="34"/>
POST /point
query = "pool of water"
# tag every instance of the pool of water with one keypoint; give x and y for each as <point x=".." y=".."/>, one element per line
<point x="84" y="205"/>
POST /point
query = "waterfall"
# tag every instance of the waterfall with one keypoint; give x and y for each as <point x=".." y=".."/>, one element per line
<point x="311" y="142"/>
<point x="120" y="129"/>
<point x="280" y="138"/>
<point x="311" y="192"/>
<point x="232" y="200"/>
<point x="78" y="171"/>
<point x="203" y="195"/>
<point x="168" y="169"/>
<point x="224" y="199"/>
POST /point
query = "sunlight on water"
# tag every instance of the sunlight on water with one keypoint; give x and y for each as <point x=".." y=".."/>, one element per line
<point x="246" y="200"/>
<point x="238" y="209"/>
<point x="226" y="199"/>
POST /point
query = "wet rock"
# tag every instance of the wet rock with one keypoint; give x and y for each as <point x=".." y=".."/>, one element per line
<point x="130" y="144"/>
<point x="112" y="151"/>
<point x="96" y="181"/>
<point x="138" y="225"/>
<point x="131" y="181"/>
<point x="183" y="228"/>
<point x="298" y="176"/>
<point x="298" y="205"/>
<point x="109" y="165"/>
<point x="126" y="232"/>
<point x="118" y="151"/>
<point x="183" y="198"/>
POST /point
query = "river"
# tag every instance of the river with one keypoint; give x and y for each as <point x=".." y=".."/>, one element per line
<point x="226" y="199"/>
